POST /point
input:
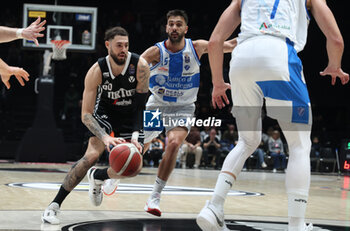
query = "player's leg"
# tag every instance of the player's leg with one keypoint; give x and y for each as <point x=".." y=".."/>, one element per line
<point x="176" y="136"/>
<point x="248" y="121"/>
<point x="198" y="156"/>
<point x="73" y="178"/>
<point x="298" y="172"/>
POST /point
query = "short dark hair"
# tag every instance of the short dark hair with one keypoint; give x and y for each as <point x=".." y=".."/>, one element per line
<point x="177" y="12"/>
<point x="110" y="33"/>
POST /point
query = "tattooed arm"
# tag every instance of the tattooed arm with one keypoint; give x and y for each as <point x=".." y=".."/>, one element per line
<point x="142" y="76"/>
<point x="92" y="80"/>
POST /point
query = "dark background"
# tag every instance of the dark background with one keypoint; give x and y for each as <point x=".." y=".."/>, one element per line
<point x="145" y="21"/>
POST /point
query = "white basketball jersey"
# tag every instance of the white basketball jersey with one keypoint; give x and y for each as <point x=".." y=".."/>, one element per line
<point x="282" y="18"/>
<point x="175" y="79"/>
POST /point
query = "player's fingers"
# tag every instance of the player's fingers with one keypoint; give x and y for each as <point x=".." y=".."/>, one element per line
<point x="24" y="74"/>
<point x="213" y="102"/>
<point x="7" y="84"/>
<point x="36" y="42"/>
<point x="334" y="78"/>
<point x="226" y="100"/>
<point x="42" y="24"/>
<point x="36" y="21"/>
<point x="20" y="80"/>
<point x="219" y="102"/>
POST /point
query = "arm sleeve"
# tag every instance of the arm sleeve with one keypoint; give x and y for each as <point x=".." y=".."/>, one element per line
<point x="139" y="104"/>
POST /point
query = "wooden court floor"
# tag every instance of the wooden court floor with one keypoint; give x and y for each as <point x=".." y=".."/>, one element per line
<point x="26" y="190"/>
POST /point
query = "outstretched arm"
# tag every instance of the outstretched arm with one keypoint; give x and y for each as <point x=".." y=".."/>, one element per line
<point x="32" y="32"/>
<point x="335" y="44"/>
<point x="201" y="46"/>
<point x="226" y="25"/>
<point x="7" y="71"/>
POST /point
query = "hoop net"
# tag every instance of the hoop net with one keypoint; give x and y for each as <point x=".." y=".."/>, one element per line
<point x="59" y="48"/>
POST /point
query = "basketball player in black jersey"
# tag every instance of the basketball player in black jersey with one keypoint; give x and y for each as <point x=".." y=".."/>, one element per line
<point x="114" y="97"/>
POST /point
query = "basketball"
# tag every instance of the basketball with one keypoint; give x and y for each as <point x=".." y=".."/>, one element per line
<point x="125" y="159"/>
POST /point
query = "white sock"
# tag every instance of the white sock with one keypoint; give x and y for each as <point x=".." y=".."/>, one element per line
<point x="222" y="187"/>
<point x="158" y="186"/>
<point x="296" y="211"/>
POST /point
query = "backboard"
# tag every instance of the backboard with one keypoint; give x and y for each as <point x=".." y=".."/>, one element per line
<point x="76" y="24"/>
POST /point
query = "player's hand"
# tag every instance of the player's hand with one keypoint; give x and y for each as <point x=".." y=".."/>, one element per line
<point x="32" y="32"/>
<point x="334" y="73"/>
<point x="137" y="144"/>
<point x="18" y="72"/>
<point x="110" y="141"/>
<point x="219" y="97"/>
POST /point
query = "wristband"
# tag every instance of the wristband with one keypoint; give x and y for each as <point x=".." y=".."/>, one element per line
<point x="135" y="136"/>
<point x="19" y="33"/>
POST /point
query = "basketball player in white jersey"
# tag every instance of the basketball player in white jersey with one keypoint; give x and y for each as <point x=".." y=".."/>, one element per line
<point x="265" y="65"/>
<point x="174" y="83"/>
<point x="115" y="93"/>
<point x="7" y="34"/>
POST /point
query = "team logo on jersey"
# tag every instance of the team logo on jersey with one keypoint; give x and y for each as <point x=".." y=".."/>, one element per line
<point x="160" y="79"/>
<point x="187" y="67"/>
<point x="187" y="58"/>
<point x="132" y="69"/>
<point x="131" y="79"/>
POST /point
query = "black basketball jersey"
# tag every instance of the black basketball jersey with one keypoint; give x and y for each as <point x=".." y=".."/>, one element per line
<point x="116" y="93"/>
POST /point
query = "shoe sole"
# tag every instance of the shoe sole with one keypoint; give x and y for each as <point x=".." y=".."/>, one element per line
<point x="155" y="212"/>
<point x="204" y="224"/>
<point x="109" y="194"/>
<point x="47" y="222"/>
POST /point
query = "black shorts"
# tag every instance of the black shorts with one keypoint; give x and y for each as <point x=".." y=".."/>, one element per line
<point x="117" y="124"/>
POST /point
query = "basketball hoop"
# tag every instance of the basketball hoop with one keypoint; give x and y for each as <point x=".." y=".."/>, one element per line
<point x="59" y="48"/>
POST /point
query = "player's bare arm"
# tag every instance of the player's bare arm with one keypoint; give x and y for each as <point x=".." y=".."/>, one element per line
<point x="142" y="75"/>
<point x="151" y="55"/>
<point x="92" y="80"/>
<point x="335" y="43"/>
<point x="228" y="22"/>
<point x="32" y="32"/>
<point x="7" y="71"/>
<point x="201" y="46"/>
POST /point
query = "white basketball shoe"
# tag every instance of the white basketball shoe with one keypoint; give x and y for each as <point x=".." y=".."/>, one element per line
<point x="110" y="186"/>
<point x="309" y="227"/>
<point x="95" y="188"/>
<point x="50" y="214"/>
<point x="152" y="205"/>
<point x="211" y="219"/>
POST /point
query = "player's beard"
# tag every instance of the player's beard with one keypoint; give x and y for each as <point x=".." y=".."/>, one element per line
<point x="178" y="39"/>
<point x="117" y="60"/>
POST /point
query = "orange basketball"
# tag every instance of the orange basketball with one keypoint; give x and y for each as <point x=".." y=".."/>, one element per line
<point x="125" y="159"/>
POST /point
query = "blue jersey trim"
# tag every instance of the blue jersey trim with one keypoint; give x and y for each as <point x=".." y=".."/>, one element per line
<point x="194" y="52"/>
<point x="160" y="57"/>
<point x="294" y="90"/>
<point x="274" y="9"/>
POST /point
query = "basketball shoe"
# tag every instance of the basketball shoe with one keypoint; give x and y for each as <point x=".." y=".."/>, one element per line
<point x="95" y="188"/>
<point x="50" y="214"/>
<point x="110" y="186"/>
<point x="309" y="227"/>
<point x="152" y="205"/>
<point x="211" y="219"/>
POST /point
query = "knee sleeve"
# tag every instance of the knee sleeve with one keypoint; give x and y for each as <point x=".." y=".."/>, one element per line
<point x="247" y="143"/>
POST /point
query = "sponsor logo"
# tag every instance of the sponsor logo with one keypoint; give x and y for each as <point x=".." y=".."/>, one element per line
<point x="105" y="74"/>
<point x="220" y="222"/>
<point x="121" y="93"/>
<point x="300" y="200"/>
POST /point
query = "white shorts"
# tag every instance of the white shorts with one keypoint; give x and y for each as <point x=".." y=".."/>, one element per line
<point x="268" y="67"/>
<point x="172" y="116"/>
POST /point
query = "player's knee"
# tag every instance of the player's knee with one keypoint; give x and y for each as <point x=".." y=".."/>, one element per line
<point x="250" y="139"/>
